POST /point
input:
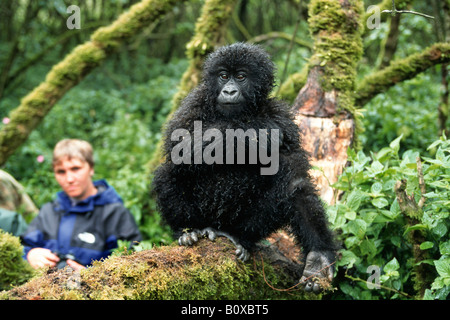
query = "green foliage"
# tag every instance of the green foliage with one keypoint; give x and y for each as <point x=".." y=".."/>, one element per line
<point x="374" y="230"/>
<point x="408" y="109"/>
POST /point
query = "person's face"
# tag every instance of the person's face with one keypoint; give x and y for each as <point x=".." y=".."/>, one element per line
<point x="74" y="177"/>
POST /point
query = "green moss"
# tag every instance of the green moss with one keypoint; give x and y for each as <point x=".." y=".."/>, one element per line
<point x="14" y="270"/>
<point x="332" y="16"/>
<point x="206" y="271"/>
<point x="291" y="87"/>
<point x="337" y="32"/>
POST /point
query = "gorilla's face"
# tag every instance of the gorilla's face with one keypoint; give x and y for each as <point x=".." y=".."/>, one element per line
<point x="232" y="85"/>
<point x="238" y="78"/>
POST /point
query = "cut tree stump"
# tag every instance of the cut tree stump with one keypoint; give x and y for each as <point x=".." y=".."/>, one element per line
<point x="326" y="133"/>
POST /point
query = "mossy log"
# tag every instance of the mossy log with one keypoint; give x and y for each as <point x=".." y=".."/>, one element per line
<point x="208" y="270"/>
<point x="73" y="68"/>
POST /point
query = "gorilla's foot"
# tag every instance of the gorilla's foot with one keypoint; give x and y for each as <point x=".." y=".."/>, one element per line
<point x="319" y="265"/>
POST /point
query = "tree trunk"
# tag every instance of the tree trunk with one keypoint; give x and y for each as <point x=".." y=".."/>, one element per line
<point x="324" y="107"/>
<point x="69" y="72"/>
<point x="208" y="270"/>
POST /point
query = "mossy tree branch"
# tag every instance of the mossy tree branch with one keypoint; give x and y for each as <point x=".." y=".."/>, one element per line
<point x="208" y="270"/>
<point x="401" y="70"/>
<point x="290" y="88"/>
<point x="74" y="67"/>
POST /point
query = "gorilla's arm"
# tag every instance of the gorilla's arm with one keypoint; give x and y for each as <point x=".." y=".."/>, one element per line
<point x="310" y="227"/>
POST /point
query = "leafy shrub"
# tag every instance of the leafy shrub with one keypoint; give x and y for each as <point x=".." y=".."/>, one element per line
<point x="374" y="230"/>
<point x="409" y="109"/>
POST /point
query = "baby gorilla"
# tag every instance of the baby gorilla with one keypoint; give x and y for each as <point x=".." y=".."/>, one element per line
<point x="232" y="197"/>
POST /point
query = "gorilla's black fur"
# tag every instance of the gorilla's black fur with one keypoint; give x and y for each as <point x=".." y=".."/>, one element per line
<point x="234" y="198"/>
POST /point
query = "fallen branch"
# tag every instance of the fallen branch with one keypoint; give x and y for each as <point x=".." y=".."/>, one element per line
<point x="208" y="270"/>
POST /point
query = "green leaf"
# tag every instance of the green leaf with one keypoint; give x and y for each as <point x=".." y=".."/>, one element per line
<point x="332" y="213"/>
<point x="418" y="226"/>
<point x="368" y="248"/>
<point x="376" y="188"/>
<point x="395" y="209"/>
<point x="444" y="248"/>
<point x="395" y="145"/>
<point x="350" y="215"/>
<point x="354" y="199"/>
<point x="348" y="259"/>
<point x="384" y="154"/>
<point x="391" y="266"/>
<point x="440" y="230"/>
<point x="350" y="242"/>
<point x="435" y="144"/>
<point x="377" y="167"/>
<point x="357" y="227"/>
<point x="426" y="245"/>
<point x="380" y="202"/>
<point x="443" y="267"/>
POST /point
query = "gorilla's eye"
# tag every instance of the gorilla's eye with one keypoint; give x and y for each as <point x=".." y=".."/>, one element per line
<point x="241" y="76"/>
<point x="223" y="76"/>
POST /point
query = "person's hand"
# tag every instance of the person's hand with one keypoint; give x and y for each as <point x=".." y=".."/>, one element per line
<point x="41" y="257"/>
<point x="75" y="265"/>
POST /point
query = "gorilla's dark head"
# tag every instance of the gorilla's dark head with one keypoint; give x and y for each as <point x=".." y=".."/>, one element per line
<point x="239" y="77"/>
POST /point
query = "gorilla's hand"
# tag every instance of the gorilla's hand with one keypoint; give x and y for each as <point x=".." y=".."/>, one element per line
<point x="189" y="238"/>
<point x="319" y="266"/>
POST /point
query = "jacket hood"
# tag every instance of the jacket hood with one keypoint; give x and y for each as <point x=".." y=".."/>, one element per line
<point x="106" y="195"/>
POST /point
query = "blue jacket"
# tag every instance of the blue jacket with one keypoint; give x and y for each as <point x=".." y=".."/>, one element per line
<point x="88" y="230"/>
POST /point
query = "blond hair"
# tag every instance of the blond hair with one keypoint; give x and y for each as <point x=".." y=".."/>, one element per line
<point x="73" y="148"/>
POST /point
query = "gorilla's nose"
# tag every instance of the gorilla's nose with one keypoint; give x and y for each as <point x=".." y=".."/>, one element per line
<point x="231" y="92"/>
